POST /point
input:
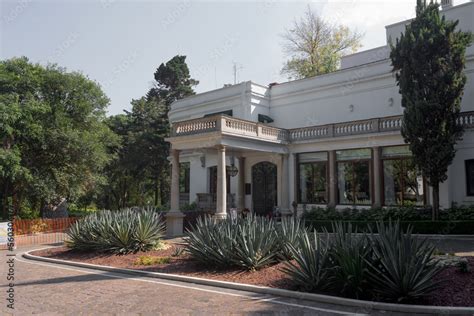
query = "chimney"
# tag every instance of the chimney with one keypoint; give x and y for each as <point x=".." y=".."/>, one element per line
<point x="445" y="4"/>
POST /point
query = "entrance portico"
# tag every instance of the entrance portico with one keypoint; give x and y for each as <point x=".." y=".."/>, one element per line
<point x="229" y="139"/>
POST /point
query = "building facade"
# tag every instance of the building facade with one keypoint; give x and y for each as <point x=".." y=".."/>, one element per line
<point x="330" y="140"/>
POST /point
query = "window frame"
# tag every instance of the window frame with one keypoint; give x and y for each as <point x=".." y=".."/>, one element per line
<point x="469" y="189"/>
<point x="371" y="179"/>
<point x="383" y="159"/>
<point x="326" y="162"/>
<point x="185" y="171"/>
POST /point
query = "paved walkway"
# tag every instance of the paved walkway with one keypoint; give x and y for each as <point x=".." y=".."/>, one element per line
<point x="47" y="289"/>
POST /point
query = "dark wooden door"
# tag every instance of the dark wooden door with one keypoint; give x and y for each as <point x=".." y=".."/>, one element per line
<point x="264" y="188"/>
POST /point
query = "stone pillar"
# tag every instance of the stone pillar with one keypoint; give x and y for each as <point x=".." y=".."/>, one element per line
<point x="221" y="203"/>
<point x="174" y="218"/>
<point x="241" y="185"/>
<point x="292" y="196"/>
<point x="377" y="163"/>
<point x="332" y="179"/>
<point x="285" y="181"/>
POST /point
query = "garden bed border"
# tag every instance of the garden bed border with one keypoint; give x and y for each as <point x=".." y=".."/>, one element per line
<point x="424" y="309"/>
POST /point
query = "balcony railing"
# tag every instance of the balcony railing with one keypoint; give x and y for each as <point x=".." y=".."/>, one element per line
<point x="233" y="126"/>
<point x="229" y="125"/>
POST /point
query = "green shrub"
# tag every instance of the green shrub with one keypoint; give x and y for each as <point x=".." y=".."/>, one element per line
<point x="151" y="260"/>
<point x="443" y="227"/>
<point x="404" y="267"/>
<point x="402" y="213"/>
<point x="349" y="255"/>
<point x="310" y="270"/>
<point x="117" y="232"/>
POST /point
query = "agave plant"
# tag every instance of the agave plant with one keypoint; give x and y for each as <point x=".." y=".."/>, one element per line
<point x="289" y="231"/>
<point x="349" y="255"/>
<point x="118" y="232"/>
<point x="404" y="265"/>
<point x="149" y="230"/>
<point x="311" y="267"/>
<point x="211" y="241"/>
<point x="256" y="244"/>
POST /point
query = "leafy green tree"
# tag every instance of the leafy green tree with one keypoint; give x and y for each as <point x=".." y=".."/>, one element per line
<point x="315" y="46"/>
<point x="429" y="61"/>
<point x="140" y="174"/>
<point x="53" y="134"/>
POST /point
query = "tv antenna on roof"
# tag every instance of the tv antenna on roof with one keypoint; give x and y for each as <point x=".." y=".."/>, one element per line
<point x="236" y="67"/>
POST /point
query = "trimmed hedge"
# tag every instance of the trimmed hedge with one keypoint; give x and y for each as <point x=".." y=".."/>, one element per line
<point x="443" y="227"/>
<point x="455" y="213"/>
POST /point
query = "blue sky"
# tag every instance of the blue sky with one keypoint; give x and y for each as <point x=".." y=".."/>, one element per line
<point x="120" y="43"/>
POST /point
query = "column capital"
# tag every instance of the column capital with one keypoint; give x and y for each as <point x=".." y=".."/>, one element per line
<point x="220" y="147"/>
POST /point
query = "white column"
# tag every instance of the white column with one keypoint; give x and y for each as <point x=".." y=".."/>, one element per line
<point x="221" y="203"/>
<point x="174" y="202"/>
<point x="332" y="179"/>
<point x="285" y="184"/>
<point x="292" y="179"/>
<point x="377" y="163"/>
<point x="174" y="218"/>
<point x="241" y="185"/>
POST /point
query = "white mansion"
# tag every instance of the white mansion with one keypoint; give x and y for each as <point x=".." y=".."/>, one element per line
<point x="330" y="140"/>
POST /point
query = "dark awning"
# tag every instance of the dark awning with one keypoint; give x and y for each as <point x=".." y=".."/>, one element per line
<point x="264" y="118"/>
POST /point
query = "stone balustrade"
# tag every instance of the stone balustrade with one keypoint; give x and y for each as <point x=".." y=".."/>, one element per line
<point x="235" y="126"/>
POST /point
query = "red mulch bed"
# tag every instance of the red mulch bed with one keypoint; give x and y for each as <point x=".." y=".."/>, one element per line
<point x="184" y="265"/>
<point x="457" y="290"/>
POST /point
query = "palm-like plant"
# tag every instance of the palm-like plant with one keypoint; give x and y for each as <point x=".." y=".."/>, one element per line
<point x="118" y="232"/>
<point x="211" y="241"/>
<point x="256" y="243"/>
<point x="289" y="231"/>
<point x="404" y="265"/>
<point x="311" y="267"/>
<point x="349" y="254"/>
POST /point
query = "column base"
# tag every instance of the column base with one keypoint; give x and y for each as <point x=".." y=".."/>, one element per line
<point x="286" y="212"/>
<point x="174" y="224"/>
<point x="220" y="216"/>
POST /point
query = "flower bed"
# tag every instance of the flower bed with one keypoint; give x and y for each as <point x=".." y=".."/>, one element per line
<point x="458" y="290"/>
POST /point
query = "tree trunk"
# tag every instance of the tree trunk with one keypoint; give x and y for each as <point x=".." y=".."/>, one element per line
<point x="435" y="212"/>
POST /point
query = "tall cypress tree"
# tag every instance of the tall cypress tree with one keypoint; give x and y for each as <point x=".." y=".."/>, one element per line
<point x="429" y="61"/>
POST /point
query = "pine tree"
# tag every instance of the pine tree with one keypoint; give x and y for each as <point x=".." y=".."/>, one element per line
<point x="429" y="61"/>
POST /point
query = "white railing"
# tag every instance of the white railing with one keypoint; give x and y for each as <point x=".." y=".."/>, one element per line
<point x="196" y="126"/>
<point x="230" y="125"/>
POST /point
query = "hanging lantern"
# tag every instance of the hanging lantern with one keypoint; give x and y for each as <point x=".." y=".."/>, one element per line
<point x="232" y="169"/>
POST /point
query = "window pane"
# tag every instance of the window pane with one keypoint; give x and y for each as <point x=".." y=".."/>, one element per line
<point x="354" y="182"/>
<point x="313" y="183"/>
<point x="305" y="182"/>
<point x="393" y="187"/>
<point x="184" y="169"/>
<point x="403" y="185"/>
<point x="413" y="184"/>
<point x="351" y="154"/>
<point x="470" y="176"/>
<point x="362" y="183"/>
<point x="345" y="182"/>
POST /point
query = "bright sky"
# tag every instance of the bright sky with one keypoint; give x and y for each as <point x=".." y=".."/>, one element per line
<point x="121" y="43"/>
